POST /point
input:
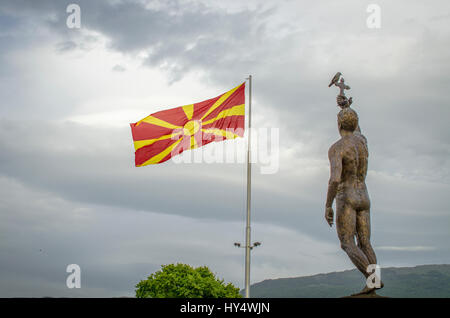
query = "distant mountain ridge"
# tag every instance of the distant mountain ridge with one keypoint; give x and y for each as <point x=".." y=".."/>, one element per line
<point x="405" y="282"/>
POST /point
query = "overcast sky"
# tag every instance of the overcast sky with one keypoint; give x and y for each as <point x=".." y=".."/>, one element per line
<point x="70" y="193"/>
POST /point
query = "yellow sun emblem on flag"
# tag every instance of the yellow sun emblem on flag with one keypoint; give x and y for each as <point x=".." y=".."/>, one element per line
<point x="190" y="129"/>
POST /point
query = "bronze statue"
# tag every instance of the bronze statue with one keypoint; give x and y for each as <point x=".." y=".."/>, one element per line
<point x="348" y="161"/>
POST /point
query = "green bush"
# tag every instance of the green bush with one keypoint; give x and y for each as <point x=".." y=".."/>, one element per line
<point x="184" y="281"/>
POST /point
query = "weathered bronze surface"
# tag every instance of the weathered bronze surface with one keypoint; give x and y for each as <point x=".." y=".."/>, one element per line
<point x="348" y="164"/>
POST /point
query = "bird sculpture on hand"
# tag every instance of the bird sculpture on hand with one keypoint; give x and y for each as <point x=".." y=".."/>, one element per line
<point x="335" y="79"/>
<point x="342" y="100"/>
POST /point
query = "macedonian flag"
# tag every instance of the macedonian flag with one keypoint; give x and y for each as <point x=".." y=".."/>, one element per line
<point x="167" y="133"/>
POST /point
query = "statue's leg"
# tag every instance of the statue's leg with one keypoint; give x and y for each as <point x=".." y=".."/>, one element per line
<point x="363" y="235"/>
<point x="346" y="229"/>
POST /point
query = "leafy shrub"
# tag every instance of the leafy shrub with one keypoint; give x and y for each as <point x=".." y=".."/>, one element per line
<point x="184" y="281"/>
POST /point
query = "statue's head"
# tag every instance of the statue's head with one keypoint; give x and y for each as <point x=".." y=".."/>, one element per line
<point x="342" y="80"/>
<point x="347" y="119"/>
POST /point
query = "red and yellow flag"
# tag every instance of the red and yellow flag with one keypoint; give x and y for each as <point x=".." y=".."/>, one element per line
<point x="162" y="135"/>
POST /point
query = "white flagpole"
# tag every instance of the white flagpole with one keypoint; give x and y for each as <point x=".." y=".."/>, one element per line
<point x="249" y="192"/>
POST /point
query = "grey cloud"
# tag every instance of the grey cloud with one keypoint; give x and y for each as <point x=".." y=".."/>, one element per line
<point x="118" y="68"/>
<point x="181" y="35"/>
<point x="66" y="46"/>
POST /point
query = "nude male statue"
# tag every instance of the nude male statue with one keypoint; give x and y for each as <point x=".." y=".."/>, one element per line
<point x="348" y="161"/>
